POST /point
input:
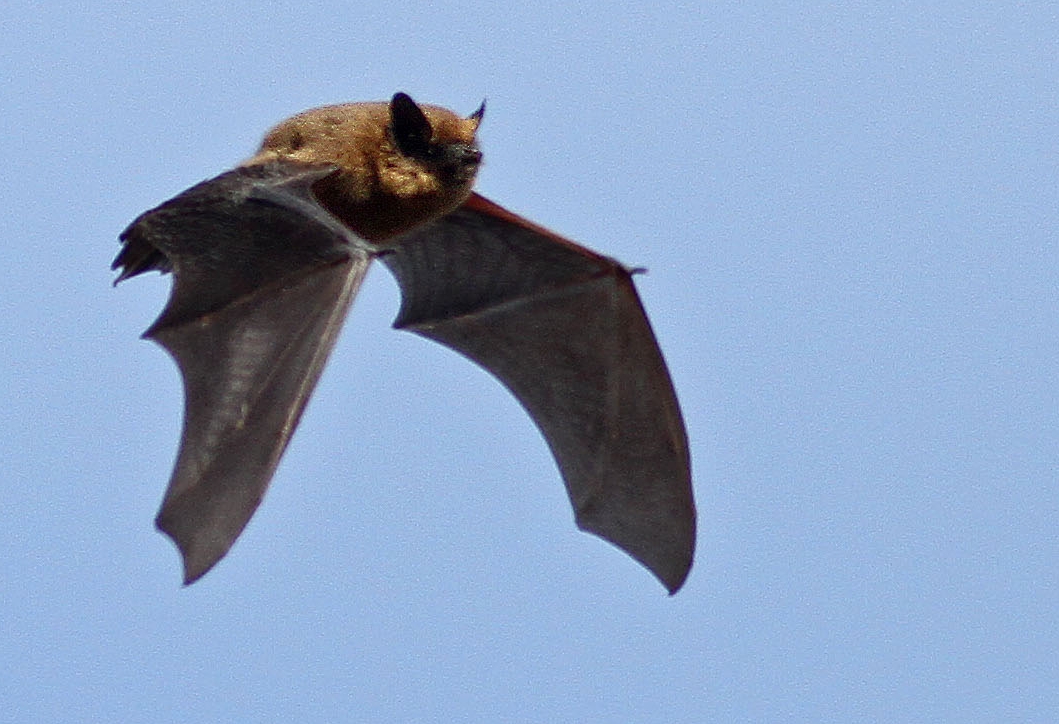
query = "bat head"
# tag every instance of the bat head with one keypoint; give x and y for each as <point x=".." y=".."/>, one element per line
<point x="436" y="138"/>
<point x="400" y="164"/>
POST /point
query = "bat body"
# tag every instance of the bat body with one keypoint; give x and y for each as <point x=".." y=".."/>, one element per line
<point x="267" y="257"/>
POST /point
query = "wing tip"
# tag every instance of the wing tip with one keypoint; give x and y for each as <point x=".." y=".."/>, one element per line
<point x="195" y="563"/>
<point x="673" y="584"/>
<point x="669" y="558"/>
<point x="672" y="572"/>
<point x="191" y="576"/>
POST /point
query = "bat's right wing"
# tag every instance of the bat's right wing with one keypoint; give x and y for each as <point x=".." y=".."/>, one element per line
<point x="263" y="279"/>
<point x="563" y="329"/>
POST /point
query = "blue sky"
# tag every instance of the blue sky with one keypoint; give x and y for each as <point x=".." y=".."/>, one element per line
<point x="848" y="212"/>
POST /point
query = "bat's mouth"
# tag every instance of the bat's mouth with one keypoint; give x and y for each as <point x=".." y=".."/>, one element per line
<point x="458" y="161"/>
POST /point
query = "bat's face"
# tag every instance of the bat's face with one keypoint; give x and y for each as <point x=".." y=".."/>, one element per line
<point x="401" y="164"/>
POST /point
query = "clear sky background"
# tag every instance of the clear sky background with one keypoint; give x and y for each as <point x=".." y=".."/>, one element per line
<point x="849" y="214"/>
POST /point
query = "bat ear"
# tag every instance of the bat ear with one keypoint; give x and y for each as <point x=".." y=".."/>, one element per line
<point x="410" y="128"/>
<point x="477" y="115"/>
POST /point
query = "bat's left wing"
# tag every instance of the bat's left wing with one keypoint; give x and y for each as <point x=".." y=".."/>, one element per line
<point x="562" y="327"/>
<point x="263" y="279"/>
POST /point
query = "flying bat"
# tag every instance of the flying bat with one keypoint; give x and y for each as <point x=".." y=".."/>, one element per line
<point x="266" y="259"/>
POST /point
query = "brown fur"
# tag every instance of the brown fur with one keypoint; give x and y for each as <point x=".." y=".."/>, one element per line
<point x="379" y="192"/>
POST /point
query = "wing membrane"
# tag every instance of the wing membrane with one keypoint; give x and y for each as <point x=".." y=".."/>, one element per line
<point x="263" y="279"/>
<point x="564" y="330"/>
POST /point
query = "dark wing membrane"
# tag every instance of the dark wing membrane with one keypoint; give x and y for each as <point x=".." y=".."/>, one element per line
<point x="232" y="234"/>
<point x="263" y="281"/>
<point x="563" y="329"/>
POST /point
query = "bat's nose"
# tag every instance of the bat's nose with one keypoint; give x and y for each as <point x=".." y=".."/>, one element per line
<point x="469" y="155"/>
<point x="462" y="156"/>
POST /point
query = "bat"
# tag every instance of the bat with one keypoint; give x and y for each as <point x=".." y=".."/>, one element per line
<point x="267" y="257"/>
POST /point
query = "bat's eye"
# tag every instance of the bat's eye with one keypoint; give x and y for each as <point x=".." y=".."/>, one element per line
<point x="410" y="128"/>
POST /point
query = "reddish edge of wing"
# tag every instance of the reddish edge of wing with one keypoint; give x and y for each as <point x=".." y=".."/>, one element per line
<point x="477" y="202"/>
